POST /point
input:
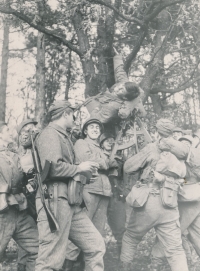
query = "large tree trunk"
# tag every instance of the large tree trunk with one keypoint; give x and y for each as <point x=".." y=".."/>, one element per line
<point x="4" y="69"/>
<point x="40" y="104"/>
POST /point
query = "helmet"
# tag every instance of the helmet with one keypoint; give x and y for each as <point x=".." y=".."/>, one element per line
<point x="89" y="121"/>
<point x="187" y="138"/>
<point x="24" y="123"/>
<point x="178" y="129"/>
<point x="104" y="136"/>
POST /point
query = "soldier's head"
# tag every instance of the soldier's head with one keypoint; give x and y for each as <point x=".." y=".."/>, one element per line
<point x="62" y="113"/>
<point x="24" y="130"/>
<point x="106" y="141"/>
<point x="125" y="91"/>
<point x="177" y="133"/>
<point x="187" y="140"/>
<point x="92" y="129"/>
<point x="165" y="127"/>
<point x="5" y="134"/>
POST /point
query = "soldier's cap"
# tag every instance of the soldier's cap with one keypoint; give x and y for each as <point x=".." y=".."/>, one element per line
<point x="58" y="107"/>
<point x="24" y="123"/>
<point x="187" y="138"/>
<point x="89" y="121"/>
<point x="178" y="129"/>
<point x="104" y="136"/>
<point x="197" y="133"/>
<point x="165" y="127"/>
<point x="2" y="123"/>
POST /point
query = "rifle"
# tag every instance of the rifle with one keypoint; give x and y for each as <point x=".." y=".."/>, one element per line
<point x="41" y="176"/>
<point x="147" y="136"/>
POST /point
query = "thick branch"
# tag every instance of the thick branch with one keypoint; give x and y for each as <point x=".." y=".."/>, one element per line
<point x="159" y="8"/>
<point x="183" y="87"/>
<point x="40" y="28"/>
<point x="127" y="18"/>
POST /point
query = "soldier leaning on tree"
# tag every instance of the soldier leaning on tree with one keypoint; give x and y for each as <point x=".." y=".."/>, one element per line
<point x="152" y="212"/>
<point x="54" y="144"/>
<point x="15" y="222"/>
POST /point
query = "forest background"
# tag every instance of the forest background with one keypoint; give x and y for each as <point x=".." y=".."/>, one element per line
<point x="63" y="49"/>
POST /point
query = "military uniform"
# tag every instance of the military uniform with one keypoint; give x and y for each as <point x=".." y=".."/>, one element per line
<point x="55" y="145"/>
<point x="152" y="214"/>
<point x="14" y="221"/>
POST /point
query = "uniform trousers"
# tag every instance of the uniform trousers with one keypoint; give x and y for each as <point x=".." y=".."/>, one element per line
<point x="167" y="227"/>
<point x="22" y="228"/>
<point x="190" y="221"/>
<point x="74" y="225"/>
<point x="96" y="210"/>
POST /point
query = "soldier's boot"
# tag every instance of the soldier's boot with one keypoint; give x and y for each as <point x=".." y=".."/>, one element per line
<point x="123" y="266"/>
<point x="68" y="265"/>
<point x="21" y="267"/>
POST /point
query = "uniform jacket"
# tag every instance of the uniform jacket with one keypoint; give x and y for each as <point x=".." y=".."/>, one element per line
<point x="88" y="150"/>
<point x="11" y="176"/>
<point x="54" y="144"/>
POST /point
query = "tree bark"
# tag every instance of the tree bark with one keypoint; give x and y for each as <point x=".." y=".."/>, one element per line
<point x="4" y="69"/>
<point x="68" y="81"/>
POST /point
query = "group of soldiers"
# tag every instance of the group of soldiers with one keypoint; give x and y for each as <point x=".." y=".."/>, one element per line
<point x="85" y="188"/>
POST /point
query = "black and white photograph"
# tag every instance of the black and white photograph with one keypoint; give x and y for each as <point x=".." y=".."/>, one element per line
<point x="99" y="135"/>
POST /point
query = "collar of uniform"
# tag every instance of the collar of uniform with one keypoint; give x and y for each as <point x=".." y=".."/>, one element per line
<point x="93" y="142"/>
<point x="58" y="128"/>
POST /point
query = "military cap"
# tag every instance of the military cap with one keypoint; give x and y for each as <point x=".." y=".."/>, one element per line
<point x="165" y="127"/>
<point x="187" y="138"/>
<point x="24" y="123"/>
<point x="104" y="136"/>
<point x="89" y="121"/>
<point x="59" y="106"/>
<point x="178" y="129"/>
<point x="197" y="133"/>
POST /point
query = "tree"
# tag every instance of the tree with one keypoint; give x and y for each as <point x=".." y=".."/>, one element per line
<point x="4" y="68"/>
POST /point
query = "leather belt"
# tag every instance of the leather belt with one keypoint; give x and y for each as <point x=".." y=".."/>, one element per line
<point x="16" y="190"/>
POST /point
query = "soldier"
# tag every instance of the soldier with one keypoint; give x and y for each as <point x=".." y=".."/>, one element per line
<point x="153" y="213"/>
<point x="96" y="194"/>
<point x="177" y="133"/>
<point x="54" y="144"/>
<point x="117" y="206"/>
<point x="23" y="130"/>
<point x="14" y="221"/>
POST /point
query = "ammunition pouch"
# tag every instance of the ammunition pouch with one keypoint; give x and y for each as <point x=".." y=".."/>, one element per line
<point x="138" y="196"/>
<point x="75" y="189"/>
<point x="169" y="193"/>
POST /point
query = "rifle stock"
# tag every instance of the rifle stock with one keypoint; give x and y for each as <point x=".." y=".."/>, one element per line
<point x="41" y="176"/>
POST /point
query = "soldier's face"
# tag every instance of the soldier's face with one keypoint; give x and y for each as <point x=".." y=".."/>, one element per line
<point x="25" y="134"/>
<point x="186" y="142"/>
<point x="93" y="131"/>
<point x="177" y="135"/>
<point x="108" y="143"/>
<point x="69" y="119"/>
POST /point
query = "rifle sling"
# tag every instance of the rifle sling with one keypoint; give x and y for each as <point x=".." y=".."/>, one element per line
<point x="55" y="198"/>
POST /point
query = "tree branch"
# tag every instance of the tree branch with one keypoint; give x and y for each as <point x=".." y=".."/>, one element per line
<point x="183" y="87"/>
<point x="127" y="18"/>
<point x="40" y="28"/>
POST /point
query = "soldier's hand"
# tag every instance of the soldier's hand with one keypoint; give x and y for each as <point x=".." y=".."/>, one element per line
<point x="158" y="177"/>
<point x="87" y="166"/>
